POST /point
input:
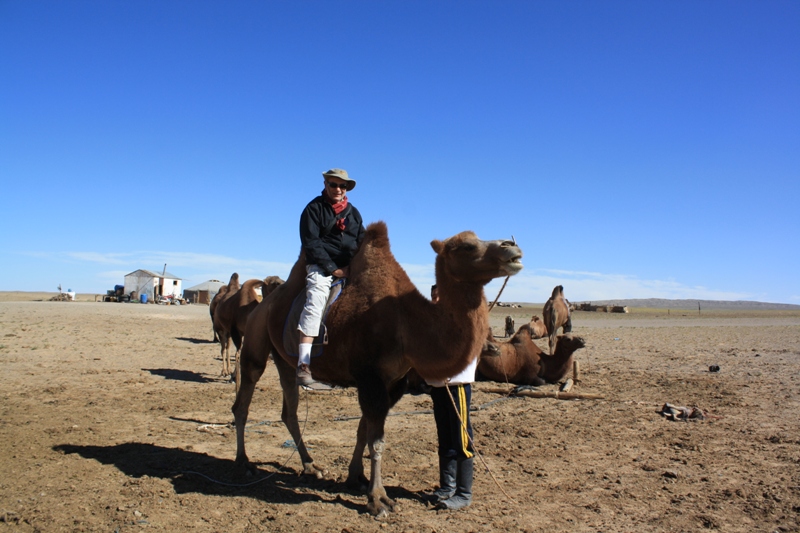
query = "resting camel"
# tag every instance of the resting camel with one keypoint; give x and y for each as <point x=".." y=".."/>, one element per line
<point x="509" y="331"/>
<point x="522" y="362"/>
<point x="538" y="329"/>
<point x="230" y="317"/>
<point x="556" y="315"/>
<point x="222" y="294"/>
<point x="379" y="328"/>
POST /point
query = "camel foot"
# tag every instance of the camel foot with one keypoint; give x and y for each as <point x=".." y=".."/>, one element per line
<point x="360" y="483"/>
<point x="381" y="507"/>
<point x="246" y="467"/>
<point x="310" y="469"/>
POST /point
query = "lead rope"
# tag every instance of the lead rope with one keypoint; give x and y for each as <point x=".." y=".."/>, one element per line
<point x="499" y="293"/>
<point x="490" y="308"/>
<point x="464" y="427"/>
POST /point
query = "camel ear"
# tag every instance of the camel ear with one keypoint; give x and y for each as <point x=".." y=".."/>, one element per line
<point x="437" y="246"/>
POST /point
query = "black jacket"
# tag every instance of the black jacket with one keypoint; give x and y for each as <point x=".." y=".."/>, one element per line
<point x="324" y="244"/>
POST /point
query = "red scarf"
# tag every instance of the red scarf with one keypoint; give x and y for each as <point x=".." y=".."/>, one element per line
<point x="338" y="207"/>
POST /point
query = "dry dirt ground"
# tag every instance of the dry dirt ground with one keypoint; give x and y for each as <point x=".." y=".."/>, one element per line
<point x="114" y="419"/>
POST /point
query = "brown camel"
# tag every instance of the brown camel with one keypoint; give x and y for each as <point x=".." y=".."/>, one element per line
<point x="522" y="362"/>
<point x="556" y="315"/>
<point x="222" y="294"/>
<point x="538" y="329"/>
<point x="379" y="328"/>
<point x="230" y="317"/>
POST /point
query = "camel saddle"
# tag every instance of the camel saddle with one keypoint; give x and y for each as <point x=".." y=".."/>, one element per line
<point x="291" y="335"/>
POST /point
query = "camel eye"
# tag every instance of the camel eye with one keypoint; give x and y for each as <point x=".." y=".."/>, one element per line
<point x="467" y="247"/>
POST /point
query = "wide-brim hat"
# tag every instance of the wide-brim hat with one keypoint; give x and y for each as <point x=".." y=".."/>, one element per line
<point x="342" y="175"/>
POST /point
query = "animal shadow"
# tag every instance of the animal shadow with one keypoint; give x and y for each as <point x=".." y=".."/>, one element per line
<point x="196" y="341"/>
<point x="179" y="375"/>
<point x="192" y="472"/>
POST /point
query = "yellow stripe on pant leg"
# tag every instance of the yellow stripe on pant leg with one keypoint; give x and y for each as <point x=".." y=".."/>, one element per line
<point x="463" y="412"/>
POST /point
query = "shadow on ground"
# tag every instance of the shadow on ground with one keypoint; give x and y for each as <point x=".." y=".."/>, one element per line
<point x="179" y="375"/>
<point x="192" y="472"/>
<point x="196" y="341"/>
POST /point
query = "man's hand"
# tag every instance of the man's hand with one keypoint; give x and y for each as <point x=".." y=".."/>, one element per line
<point x="341" y="272"/>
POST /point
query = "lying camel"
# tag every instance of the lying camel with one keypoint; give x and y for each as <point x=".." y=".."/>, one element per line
<point x="556" y="315"/>
<point x="222" y="294"/>
<point x="522" y="362"/>
<point x="538" y="329"/>
<point x="230" y="317"/>
<point x="379" y="328"/>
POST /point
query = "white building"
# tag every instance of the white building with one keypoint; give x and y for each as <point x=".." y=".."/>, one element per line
<point x="152" y="284"/>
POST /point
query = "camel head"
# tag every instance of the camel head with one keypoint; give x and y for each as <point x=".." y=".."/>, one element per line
<point x="467" y="259"/>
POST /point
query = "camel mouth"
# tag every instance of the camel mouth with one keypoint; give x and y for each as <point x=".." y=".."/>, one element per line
<point x="513" y="265"/>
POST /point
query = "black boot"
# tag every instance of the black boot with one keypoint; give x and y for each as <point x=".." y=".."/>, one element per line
<point x="463" y="494"/>
<point x="447" y="480"/>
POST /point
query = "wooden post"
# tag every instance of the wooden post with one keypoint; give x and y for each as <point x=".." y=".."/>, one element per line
<point x="576" y="371"/>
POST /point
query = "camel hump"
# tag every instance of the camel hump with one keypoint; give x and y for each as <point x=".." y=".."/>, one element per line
<point x="377" y="234"/>
<point x="558" y="290"/>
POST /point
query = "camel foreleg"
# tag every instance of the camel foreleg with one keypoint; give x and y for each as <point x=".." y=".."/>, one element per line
<point x="291" y="400"/>
<point x="378" y="503"/>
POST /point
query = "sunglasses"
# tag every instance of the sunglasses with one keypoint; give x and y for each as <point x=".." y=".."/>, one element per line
<point x="333" y="185"/>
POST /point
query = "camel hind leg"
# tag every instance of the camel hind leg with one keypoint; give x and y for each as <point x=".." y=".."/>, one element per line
<point x="250" y="368"/>
<point x="224" y="352"/>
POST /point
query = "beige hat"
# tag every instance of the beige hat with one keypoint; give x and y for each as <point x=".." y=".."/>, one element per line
<point x="342" y="175"/>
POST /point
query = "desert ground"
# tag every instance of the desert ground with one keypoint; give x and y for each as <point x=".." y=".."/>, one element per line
<point x="114" y="419"/>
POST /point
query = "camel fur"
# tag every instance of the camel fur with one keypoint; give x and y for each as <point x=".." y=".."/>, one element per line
<point x="224" y="292"/>
<point x="379" y="328"/>
<point x="556" y="315"/>
<point x="230" y="317"/>
<point x="538" y="329"/>
<point x="522" y="362"/>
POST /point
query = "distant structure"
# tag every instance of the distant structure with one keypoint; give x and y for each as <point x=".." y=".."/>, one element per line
<point x="153" y="284"/>
<point x="587" y="306"/>
<point x="202" y="293"/>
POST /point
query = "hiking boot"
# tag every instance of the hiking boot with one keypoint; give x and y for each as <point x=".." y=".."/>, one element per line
<point x="304" y="379"/>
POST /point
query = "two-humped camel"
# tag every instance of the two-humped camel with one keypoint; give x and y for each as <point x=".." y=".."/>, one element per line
<point x="230" y="316"/>
<point x="556" y="315"/>
<point x="222" y="294"/>
<point x="379" y="329"/>
<point x="521" y="362"/>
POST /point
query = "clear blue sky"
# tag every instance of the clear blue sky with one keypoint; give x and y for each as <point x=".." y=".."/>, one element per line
<point x="634" y="149"/>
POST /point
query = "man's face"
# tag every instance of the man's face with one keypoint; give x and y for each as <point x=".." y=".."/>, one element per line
<point x="336" y="188"/>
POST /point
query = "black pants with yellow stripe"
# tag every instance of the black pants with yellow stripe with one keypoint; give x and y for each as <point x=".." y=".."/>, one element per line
<point x="455" y="440"/>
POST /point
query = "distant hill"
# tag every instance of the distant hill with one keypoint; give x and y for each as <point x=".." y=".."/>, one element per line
<point x="661" y="303"/>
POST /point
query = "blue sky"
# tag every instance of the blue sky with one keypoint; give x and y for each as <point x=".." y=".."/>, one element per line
<point x="633" y="149"/>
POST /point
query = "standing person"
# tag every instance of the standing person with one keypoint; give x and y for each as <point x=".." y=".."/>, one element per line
<point x="330" y="231"/>
<point x="454" y="433"/>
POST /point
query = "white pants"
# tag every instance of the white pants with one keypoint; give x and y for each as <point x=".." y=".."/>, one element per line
<point x="318" y="287"/>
